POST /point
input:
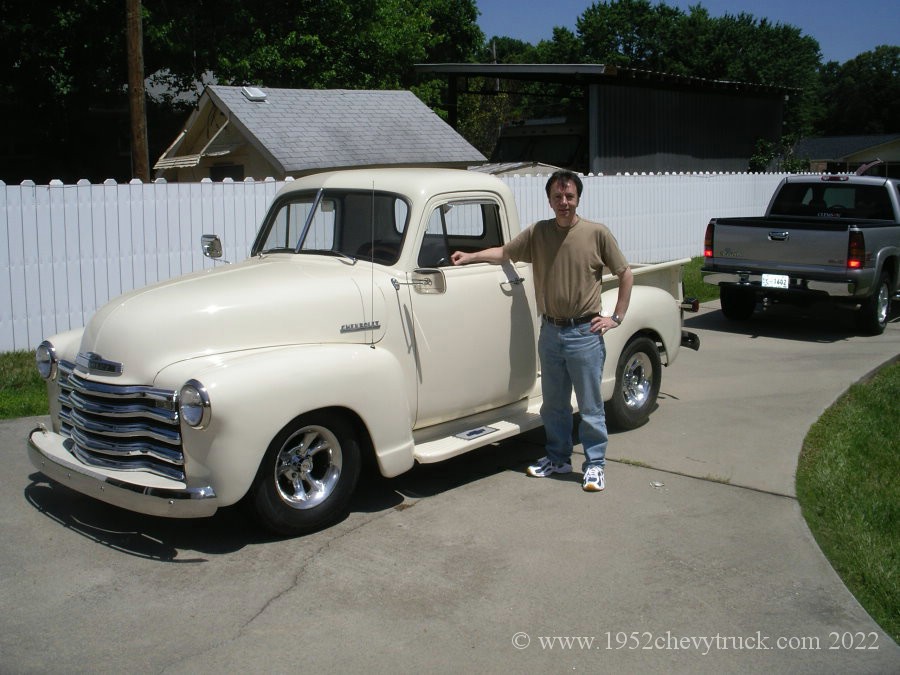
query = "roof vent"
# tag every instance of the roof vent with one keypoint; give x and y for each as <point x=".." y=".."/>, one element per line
<point x="253" y="93"/>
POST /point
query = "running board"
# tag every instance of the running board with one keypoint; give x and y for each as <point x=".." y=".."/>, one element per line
<point x="443" y="441"/>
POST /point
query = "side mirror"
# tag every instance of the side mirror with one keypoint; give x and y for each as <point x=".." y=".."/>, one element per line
<point x="212" y="246"/>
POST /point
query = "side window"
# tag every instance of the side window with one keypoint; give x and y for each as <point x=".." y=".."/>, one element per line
<point x="464" y="225"/>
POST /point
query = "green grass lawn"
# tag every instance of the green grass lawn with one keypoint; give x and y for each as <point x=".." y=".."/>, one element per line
<point x="847" y="477"/>
<point x="22" y="391"/>
<point x="693" y="283"/>
<point x="848" y="488"/>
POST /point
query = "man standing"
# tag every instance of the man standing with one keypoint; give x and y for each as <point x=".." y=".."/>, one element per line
<point x="568" y="254"/>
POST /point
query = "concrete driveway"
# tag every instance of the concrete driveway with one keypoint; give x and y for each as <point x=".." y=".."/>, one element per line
<point x="695" y="559"/>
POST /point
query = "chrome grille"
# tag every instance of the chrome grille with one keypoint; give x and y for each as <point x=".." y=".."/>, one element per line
<point x="123" y="427"/>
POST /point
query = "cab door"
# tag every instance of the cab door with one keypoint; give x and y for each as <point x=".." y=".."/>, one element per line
<point x="474" y="325"/>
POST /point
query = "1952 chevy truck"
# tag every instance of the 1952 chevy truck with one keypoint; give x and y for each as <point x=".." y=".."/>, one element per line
<point x="345" y="335"/>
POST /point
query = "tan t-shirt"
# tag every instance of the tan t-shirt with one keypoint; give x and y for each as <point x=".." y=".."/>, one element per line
<point x="567" y="264"/>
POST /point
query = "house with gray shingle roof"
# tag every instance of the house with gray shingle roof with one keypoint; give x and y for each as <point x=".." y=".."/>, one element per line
<point x="837" y="154"/>
<point x="251" y="132"/>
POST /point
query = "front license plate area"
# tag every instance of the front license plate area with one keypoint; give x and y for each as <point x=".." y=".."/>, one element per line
<point x="775" y="280"/>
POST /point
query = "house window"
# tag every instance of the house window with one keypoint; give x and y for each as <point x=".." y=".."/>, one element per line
<point x="222" y="171"/>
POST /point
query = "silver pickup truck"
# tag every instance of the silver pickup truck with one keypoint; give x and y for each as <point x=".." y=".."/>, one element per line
<point x="824" y="237"/>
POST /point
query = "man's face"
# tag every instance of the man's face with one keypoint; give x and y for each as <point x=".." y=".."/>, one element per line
<point x="564" y="200"/>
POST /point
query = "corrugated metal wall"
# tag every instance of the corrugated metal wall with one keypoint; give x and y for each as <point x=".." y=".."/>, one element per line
<point x="65" y="250"/>
<point x="640" y="129"/>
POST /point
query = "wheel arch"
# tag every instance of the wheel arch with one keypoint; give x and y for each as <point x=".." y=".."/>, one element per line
<point x="891" y="266"/>
<point x="358" y="426"/>
<point x="653" y="313"/>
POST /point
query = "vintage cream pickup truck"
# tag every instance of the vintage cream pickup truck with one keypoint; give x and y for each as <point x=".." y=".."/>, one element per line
<point x="345" y="336"/>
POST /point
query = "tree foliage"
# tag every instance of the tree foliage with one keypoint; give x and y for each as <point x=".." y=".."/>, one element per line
<point x="862" y="96"/>
<point x="328" y="43"/>
<point x="63" y="73"/>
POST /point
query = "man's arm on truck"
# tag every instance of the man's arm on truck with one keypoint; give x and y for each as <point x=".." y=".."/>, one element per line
<point x="493" y="255"/>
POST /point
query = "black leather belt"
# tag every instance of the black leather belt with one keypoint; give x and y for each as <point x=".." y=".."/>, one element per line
<point x="568" y="322"/>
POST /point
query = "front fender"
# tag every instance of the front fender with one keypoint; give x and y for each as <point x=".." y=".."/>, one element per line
<point x="254" y="394"/>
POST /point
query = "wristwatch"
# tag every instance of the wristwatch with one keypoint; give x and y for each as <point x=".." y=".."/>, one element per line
<point x="617" y="319"/>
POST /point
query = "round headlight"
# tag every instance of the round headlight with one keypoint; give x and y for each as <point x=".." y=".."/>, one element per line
<point x="193" y="404"/>
<point x="45" y="360"/>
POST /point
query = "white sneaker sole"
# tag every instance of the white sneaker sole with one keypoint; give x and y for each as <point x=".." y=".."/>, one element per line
<point x="534" y="474"/>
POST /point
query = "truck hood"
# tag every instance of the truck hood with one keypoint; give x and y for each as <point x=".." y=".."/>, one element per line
<point x="276" y="301"/>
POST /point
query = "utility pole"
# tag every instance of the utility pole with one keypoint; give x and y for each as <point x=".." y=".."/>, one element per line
<point x="140" y="155"/>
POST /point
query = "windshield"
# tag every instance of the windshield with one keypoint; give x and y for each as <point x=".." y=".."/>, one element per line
<point x="365" y="225"/>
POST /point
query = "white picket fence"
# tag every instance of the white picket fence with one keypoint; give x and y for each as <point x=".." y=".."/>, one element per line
<point x="68" y="249"/>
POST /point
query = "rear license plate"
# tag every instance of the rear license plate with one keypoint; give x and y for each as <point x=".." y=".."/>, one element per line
<point x="775" y="280"/>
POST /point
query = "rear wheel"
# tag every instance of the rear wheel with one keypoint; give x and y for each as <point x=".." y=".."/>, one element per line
<point x="737" y="303"/>
<point x="307" y="475"/>
<point x="875" y="311"/>
<point x="638" y="375"/>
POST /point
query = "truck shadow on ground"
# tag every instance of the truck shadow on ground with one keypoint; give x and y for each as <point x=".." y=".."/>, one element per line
<point x="819" y="322"/>
<point x="234" y="528"/>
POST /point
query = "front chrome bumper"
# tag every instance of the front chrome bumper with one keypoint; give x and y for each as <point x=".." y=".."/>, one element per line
<point x="135" y="491"/>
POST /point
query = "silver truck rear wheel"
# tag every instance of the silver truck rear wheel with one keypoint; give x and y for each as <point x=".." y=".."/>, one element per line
<point x="875" y="311"/>
<point x="308" y="475"/>
<point x="638" y="375"/>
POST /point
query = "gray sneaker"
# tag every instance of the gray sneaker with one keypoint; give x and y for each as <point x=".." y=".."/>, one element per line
<point x="544" y="467"/>
<point x="594" y="479"/>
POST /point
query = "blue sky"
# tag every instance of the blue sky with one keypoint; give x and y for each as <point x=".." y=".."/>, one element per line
<point x="843" y="28"/>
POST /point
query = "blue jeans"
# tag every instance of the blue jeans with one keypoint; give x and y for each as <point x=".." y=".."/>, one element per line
<point x="572" y="356"/>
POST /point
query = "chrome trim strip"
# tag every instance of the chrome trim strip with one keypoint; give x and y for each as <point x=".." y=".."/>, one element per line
<point x="136" y="430"/>
<point x="169" y="455"/>
<point x="77" y="400"/>
<point x="130" y="465"/>
<point x="119" y="391"/>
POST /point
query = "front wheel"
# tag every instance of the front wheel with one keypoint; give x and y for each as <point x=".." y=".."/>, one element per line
<point x="876" y="309"/>
<point x="307" y="475"/>
<point x="638" y="375"/>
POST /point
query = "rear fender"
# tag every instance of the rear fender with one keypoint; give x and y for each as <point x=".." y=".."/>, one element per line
<point x="652" y="312"/>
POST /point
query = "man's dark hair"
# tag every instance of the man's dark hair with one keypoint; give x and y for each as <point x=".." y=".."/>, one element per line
<point x="563" y="176"/>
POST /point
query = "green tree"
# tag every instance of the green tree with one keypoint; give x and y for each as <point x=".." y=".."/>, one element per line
<point x="64" y="68"/>
<point x="631" y="33"/>
<point x="862" y="96"/>
<point x="62" y="73"/>
<point x="777" y="156"/>
<point x="636" y="34"/>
